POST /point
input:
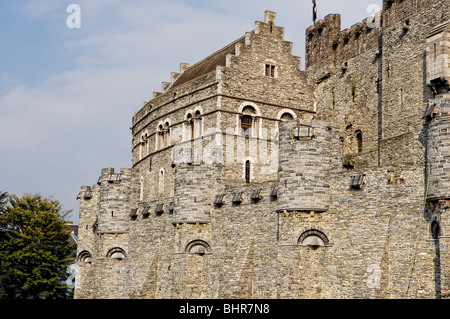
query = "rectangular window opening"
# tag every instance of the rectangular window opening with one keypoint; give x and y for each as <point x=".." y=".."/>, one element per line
<point x="270" y="70"/>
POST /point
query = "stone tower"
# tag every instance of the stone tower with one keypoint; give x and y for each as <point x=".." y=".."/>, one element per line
<point x="438" y="147"/>
<point x="306" y="154"/>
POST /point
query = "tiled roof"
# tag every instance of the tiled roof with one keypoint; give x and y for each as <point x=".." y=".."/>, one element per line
<point x="208" y="64"/>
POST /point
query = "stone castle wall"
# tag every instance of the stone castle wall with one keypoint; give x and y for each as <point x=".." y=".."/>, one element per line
<point x="345" y="197"/>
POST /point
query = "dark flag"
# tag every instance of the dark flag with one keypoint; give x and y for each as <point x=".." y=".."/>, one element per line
<point x="314" y="11"/>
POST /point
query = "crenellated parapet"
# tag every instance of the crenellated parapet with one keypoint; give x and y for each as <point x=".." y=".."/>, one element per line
<point x="325" y="39"/>
<point x="398" y="10"/>
<point x="107" y="204"/>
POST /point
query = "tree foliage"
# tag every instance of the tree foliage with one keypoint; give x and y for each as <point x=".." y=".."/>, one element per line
<point x="34" y="248"/>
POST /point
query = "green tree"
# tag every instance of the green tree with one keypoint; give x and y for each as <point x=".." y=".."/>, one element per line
<point x="34" y="248"/>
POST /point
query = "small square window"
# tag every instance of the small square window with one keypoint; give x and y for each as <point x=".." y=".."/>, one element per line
<point x="270" y="70"/>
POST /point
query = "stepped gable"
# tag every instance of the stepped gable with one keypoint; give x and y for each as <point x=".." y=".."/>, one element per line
<point x="208" y="64"/>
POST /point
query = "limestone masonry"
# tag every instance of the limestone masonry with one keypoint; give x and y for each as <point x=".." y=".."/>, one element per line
<point x="253" y="178"/>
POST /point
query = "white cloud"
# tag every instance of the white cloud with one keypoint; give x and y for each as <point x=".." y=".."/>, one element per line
<point x="38" y="9"/>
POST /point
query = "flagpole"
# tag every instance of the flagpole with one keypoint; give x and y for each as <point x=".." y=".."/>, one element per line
<point x="314" y="11"/>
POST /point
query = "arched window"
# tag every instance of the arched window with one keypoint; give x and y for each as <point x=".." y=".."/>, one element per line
<point x="85" y="257"/>
<point x="116" y="253"/>
<point x="166" y="136"/>
<point x="313" y="238"/>
<point x="248" y="113"/>
<point x="198" y="247"/>
<point x="269" y="70"/>
<point x="247" y="171"/>
<point x="161" y="181"/>
<point x="287" y="117"/>
<point x="160" y="137"/>
<point x="359" y="141"/>
<point x="246" y="124"/>
<point x="190" y="127"/>
<point x="144" y="146"/>
<point x="197" y="124"/>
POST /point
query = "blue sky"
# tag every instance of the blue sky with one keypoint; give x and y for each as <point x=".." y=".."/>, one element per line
<point x="67" y="96"/>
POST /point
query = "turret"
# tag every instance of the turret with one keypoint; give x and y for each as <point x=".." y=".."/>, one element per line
<point x="306" y="159"/>
<point x="439" y="150"/>
<point x="195" y="188"/>
<point x="438" y="50"/>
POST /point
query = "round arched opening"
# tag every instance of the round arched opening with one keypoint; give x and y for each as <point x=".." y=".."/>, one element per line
<point x="287" y="117"/>
<point x="314" y="239"/>
<point x="198" y="247"/>
<point x="116" y="253"/>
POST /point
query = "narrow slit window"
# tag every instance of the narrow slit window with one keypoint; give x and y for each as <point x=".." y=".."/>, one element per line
<point x="161" y="181"/>
<point x="359" y="141"/>
<point x="247" y="172"/>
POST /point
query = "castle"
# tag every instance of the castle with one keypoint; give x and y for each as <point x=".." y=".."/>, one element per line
<point x="252" y="178"/>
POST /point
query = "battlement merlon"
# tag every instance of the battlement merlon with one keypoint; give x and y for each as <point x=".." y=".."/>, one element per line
<point x="268" y="26"/>
<point x="108" y="175"/>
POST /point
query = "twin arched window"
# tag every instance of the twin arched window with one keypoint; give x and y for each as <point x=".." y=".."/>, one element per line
<point x="163" y="136"/>
<point x="194" y="125"/>
<point x="114" y="253"/>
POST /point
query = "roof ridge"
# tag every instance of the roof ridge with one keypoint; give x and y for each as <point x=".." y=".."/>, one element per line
<point x="205" y="65"/>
